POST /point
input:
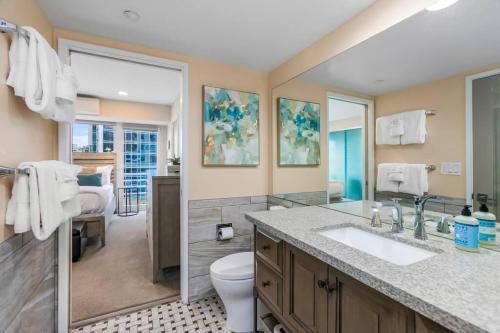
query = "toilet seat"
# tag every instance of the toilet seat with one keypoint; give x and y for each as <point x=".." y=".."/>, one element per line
<point x="238" y="266"/>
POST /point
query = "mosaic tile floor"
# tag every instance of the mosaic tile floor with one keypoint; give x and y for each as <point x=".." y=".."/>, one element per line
<point x="207" y="315"/>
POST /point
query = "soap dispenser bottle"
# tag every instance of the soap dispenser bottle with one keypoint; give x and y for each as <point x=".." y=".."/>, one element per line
<point x="467" y="231"/>
<point x="487" y="222"/>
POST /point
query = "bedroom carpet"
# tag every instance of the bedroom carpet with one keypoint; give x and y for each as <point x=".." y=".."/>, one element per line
<point x="117" y="276"/>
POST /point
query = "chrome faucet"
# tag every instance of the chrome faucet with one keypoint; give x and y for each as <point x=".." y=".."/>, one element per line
<point x="420" y="232"/>
<point x="397" y="215"/>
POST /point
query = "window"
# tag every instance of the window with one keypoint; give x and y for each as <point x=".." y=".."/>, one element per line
<point x="140" y="155"/>
<point x="93" y="138"/>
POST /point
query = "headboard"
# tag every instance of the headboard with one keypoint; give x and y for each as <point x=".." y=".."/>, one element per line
<point x="96" y="160"/>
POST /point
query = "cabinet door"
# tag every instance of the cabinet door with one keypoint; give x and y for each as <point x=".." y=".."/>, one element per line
<point x="361" y="309"/>
<point x="305" y="296"/>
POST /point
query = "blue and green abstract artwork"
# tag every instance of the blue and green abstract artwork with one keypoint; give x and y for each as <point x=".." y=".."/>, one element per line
<point x="230" y="127"/>
<point x="299" y="133"/>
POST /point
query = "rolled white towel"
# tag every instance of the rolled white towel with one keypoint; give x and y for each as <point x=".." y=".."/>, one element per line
<point x="40" y="92"/>
<point x="396" y="126"/>
<point x="396" y="173"/>
<point x="384" y="183"/>
<point x="45" y="199"/>
<point x="383" y="132"/>
<point x="416" y="180"/>
<point x="67" y="84"/>
<point x="18" y="57"/>
<point x="36" y="74"/>
<point x="415" y="127"/>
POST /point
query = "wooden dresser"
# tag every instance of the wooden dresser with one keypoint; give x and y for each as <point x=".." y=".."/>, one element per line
<point x="163" y="224"/>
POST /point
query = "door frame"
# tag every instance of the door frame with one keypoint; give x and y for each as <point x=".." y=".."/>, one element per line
<point x="65" y="46"/>
<point x="469" y="131"/>
<point x="368" y="141"/>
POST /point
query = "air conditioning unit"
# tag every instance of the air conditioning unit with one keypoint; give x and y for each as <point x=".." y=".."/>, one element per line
<point x="88" y="105"/>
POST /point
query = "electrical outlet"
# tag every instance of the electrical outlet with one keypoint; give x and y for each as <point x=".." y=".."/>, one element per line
<point x="451" y="168"/>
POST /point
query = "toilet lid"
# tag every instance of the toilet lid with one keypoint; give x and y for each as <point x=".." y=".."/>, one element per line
<point x="238" y="266"/>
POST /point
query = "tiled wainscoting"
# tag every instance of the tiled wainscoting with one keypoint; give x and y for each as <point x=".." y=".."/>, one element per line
<point x="204" y="249"/>
<point x="300" y="199"/>
<point x="28" y="288"/>
<point x="441" y="204"/>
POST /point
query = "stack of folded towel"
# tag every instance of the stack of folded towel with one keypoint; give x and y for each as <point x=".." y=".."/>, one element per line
<point x="401" y="128"/>
<point x="37" y="75"/>
<point x="403" y="178"/>
<point x="44" y="199"/>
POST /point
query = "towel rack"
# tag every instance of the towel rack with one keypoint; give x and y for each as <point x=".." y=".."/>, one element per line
<point x="430" y="167"/>
<point x="430" y="113"/>
<point x="5" y="171"/>
<point x="6" y="26"/>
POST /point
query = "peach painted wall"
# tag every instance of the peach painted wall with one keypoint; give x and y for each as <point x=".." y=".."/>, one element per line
<point x="25" y="136"/>
<point x="380" y="16"/>
<point x="205" y="182"/>
<point x="446" y="131"/>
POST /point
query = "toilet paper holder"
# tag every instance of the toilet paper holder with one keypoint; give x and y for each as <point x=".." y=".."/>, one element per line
<point x="220" y="226"/>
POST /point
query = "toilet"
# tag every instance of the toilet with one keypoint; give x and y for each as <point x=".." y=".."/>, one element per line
<point x="233" y="279"/>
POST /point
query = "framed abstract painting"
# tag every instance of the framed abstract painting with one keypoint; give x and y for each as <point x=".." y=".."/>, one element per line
<point x="298" y="133"/>
<point x="230" y="127"/>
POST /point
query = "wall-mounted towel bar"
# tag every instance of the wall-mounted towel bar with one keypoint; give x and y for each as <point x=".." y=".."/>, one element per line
<point x="430" y="113"/>
<point x="5" y="171"/>
<point x="430" y="167"/>
<point x="6" y="26"/>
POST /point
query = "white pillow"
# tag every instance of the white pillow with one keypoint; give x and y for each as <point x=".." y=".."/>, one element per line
<point x="106" y="174"/>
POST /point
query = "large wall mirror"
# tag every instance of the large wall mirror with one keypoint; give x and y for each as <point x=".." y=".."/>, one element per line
<point x="444" y="63"/>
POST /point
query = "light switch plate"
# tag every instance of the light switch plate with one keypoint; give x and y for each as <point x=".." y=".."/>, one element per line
<point x="451" y="168"/>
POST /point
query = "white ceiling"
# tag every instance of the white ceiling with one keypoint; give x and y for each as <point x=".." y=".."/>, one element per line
<point x="105" y="77"/>
<point x="259" y="34"/>
<point x="339" y="110"/>
<point x="425" y="47"/>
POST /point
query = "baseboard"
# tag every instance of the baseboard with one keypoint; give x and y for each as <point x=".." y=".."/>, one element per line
<point x="128" y="310"/>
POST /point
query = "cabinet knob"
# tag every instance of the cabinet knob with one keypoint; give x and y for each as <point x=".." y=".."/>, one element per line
<point x="329" y="289"/>
<point x="324" y="284"/>
<point x="266" y="283"/>
<point x="266" y="247"/>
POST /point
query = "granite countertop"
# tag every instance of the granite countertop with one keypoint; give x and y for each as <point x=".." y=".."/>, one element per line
<point x="457" y="289"/>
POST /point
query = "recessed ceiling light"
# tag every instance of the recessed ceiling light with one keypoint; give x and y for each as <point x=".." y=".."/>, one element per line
<point x="441" y="4"/>
<point x="131" y="15"/>
<point x="123" y="93"/>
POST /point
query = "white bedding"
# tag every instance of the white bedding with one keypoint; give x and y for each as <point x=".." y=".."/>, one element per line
<point x="94" y="199"/>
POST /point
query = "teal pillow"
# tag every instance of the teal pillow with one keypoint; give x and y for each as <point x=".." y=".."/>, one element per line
<point x="91" y="179"/>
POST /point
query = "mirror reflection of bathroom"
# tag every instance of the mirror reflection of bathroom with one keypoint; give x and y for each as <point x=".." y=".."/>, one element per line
<point x="346" y="149"/>
<point x="448" y="107"/>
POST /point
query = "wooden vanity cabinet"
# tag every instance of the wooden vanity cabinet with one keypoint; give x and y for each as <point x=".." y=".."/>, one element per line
<point x="307" y="295"/>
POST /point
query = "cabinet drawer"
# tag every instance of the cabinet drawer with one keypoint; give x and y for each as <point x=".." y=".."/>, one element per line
<point x="269" y="286"/>
<point x="269" y="250"/>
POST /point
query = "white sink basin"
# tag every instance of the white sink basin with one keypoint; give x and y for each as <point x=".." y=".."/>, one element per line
<point x="381" y="247"/>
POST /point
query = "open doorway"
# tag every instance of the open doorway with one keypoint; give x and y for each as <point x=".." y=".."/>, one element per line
<point x="125" y="137"/>
<point x="348" y="148"/>
<point x="483" y="139"/>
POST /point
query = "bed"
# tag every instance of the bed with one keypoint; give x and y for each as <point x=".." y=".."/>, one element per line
<point x="98" y="202"/>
